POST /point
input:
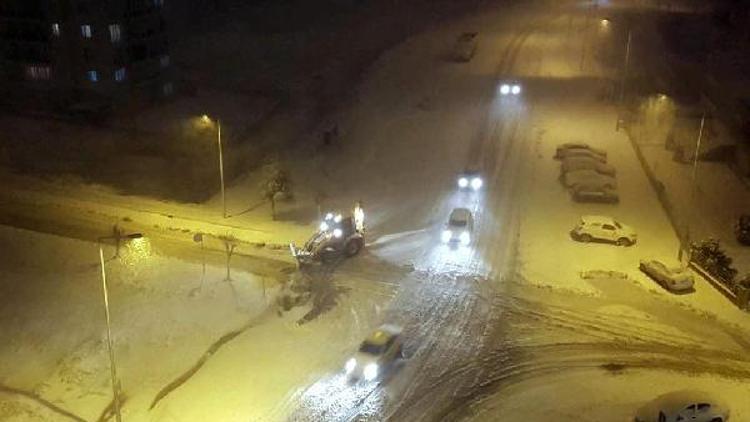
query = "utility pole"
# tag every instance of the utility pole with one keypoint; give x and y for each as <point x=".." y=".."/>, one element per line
<point x="221" y="168"/>
<point x="112" y="365"/>
<point x="623" y="80"/>
<point x="693" y="190"/>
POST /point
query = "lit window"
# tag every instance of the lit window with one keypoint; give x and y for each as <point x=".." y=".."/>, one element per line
<point x="56" y="29"/>
<point x="92" y="76"/>
<point x="38" y="72"/>
<point x="114" y="32"/>
<point x="164" y="60"/>
<point x="86" y="31"/>
<point x="167" y="88"/>
<point x="120" y="74"/>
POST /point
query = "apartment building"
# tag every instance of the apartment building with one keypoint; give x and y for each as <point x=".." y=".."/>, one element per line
<point x="83" y="54"/>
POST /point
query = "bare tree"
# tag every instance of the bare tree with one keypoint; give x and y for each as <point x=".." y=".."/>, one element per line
<point x="276" y="182"/>
<point x="230" y="242"/>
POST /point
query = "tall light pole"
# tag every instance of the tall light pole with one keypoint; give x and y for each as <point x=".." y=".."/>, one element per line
<point x="221" y="162"/>
<point x="693" y="187"/>
<point x="623" y="81"/>
<point x="112" y="364"/>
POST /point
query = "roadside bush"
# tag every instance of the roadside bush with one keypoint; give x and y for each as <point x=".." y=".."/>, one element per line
<point x="712" y="258"/>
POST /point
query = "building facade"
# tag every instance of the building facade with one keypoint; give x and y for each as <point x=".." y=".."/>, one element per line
<point x="83" y="54"/>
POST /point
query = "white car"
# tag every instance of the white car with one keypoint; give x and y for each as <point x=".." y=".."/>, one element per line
<point x="601" y="228"/>
<point x="683" y="406"/>
<point x="459" y="227"/>
<point x="470" y="180"/>
<point x="673" y="279"/>
<point x="510" y="88"/>
<point x="376" y="354"/>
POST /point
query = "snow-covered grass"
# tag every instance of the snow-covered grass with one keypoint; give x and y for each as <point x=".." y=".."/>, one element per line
<point x="54" y="329"/>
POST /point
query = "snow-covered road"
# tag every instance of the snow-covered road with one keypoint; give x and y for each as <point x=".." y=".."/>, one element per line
<point x="487" y="326"/>
<point x="474" y="326"/>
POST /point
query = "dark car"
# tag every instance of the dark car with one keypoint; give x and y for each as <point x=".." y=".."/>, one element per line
<point x="594" y="193"/>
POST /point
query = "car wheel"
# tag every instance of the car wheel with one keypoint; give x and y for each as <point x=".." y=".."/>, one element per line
<point x="585" y="238"/>
<point x="353" y="247"/>
<point x="623" y="242"/>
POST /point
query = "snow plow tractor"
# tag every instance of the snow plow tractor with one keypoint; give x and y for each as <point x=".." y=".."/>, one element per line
<point x="336" y="237"/>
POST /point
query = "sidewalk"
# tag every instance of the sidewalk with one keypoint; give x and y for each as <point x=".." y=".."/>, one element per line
<point x="89" y="212"/>
<point x="720" y="196"/>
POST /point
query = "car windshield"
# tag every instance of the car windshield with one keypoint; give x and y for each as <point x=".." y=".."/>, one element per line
<point x="618" y="225"/>
<point x="457" y="223"/>
<point x="371" y="349"/>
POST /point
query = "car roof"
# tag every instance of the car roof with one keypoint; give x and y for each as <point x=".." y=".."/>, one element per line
<point x="589" y="219"/>
<point x="460" y="214"/>
<point x="574" y="144"/>
<point x="590" y="185"/>
<point x="384" y="333"/>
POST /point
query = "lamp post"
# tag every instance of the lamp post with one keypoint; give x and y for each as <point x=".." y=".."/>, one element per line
<point x="624" y="80"/>
<point x="221" y="162"/>
<point x="112" y="365"/>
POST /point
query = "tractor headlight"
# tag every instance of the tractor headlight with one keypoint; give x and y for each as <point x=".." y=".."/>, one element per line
<point x="350" y="365"/>
<point x="329" y="216"/>
<point x="463" y="182"/>
<point x="465" y="238"/>
<point x="337" y="219"/>
<point x="446" y="236"/>
<point x="370" y="372"/>
<point x="337" y="233"/>
<point x="323" y="226"/>
<point x="476" y="183"/>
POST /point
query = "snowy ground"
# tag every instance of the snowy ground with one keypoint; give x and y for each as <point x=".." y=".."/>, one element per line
<point x="490" y="328"/>
<point x="165" y="315"/>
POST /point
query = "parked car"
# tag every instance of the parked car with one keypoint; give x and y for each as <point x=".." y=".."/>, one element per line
<point x="585" y="163"/>
<point x="683" y="406"/>
<point x="563" y="150"/>
<point x="594" y="193"/>
<point x="742" y="229"/>
<point x="459" y="227"/>
<point x="673" y="279"/>
<point x="465" y="46"/>
<point x="588" y="177"/>
<point x="580" y="152"/>
<point x="376" y="354"/>
<point x="605" y="229"/>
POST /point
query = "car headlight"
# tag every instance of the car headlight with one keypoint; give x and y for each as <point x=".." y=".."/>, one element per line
<point x="476" y="183"/>
<point x="463" y="182"/>
<point x="371" y="371"/>
<point x="504" y="89"/>
<point x="350" y="365"/>
<point x="323" y="226"/>
<point x="446" y="236"/>
<point x="465" y="238"/>
<point x="516" y="89"/>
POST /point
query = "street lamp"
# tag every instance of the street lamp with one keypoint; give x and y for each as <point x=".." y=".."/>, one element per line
<point x="118" y="236"/>
<point x="208" y="121"/>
